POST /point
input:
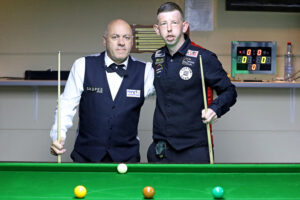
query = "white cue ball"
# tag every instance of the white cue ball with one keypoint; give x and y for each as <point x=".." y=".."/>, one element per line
<point x="122" y="168"/>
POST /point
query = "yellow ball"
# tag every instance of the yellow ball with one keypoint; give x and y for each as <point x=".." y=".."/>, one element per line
<point x="80" y="191"/>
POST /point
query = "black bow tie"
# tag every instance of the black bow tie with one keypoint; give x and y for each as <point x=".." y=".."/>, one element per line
<point x="116" y="68"/>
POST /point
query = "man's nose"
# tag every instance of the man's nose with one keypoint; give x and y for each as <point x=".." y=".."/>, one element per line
<point x="169" y="27"/>
<point x="121" y="41"/>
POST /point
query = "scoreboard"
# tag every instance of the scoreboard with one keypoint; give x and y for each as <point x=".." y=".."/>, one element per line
<point x="252" y="60"/>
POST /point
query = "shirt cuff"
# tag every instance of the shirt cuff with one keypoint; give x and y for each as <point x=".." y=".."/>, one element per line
<point x="53" y="135"/>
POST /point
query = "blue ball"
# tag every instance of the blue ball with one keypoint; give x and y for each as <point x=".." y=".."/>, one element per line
<point x="218" y="192"/>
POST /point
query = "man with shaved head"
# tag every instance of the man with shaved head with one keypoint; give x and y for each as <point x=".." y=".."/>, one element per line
<point x="110" y="89"/>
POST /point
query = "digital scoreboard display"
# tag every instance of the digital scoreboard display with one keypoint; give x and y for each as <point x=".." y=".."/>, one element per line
<point x="252" y="59"/>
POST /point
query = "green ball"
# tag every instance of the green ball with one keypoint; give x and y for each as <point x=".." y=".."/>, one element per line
<point x="218" y="192"/>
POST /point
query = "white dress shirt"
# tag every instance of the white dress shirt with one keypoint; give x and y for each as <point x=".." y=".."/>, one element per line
<point x="74" y="87"/>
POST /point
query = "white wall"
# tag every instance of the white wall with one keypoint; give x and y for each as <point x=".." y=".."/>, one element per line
<point x="263" y="126"/>
<point x="259" y="128"/>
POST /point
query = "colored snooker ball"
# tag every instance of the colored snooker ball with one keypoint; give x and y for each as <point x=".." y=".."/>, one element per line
<point x="80" y="191"/>
<point x="148" y="192"/>
<point x="218" y="192"/>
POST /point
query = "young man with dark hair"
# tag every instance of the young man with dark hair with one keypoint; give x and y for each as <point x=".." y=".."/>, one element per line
<point x="179" y="126"/>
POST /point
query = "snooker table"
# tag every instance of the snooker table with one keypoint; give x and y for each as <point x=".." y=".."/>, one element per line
<point x="171" y="181"/>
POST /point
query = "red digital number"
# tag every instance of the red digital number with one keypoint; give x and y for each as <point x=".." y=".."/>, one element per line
<point x="259" y="52"/>
<point x="253" y="67"/>
<point x="248" y="52"/>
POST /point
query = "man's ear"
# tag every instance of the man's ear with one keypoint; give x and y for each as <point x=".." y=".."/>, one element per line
<point x="104" y="41"/>
<point x="155" y="27"/>
<point x="185" y="26"/>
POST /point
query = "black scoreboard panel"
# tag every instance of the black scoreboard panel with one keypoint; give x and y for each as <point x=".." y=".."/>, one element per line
<point x="251" y="57"/>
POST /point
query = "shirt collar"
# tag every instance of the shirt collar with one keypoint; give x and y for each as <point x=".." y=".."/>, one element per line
<point x="183" y="49"/>
<point x="108" y="61"/>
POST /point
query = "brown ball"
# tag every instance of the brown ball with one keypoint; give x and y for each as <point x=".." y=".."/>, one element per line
<point x="148" y="192"/>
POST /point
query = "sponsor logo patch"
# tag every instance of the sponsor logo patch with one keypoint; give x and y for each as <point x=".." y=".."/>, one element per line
<point x="192" y="53"/>
<point x="159" y="53"/>
<point x="187" y="61"/>
<point x="158" y="69"/>
<point x="159" y="60"/>
<point x="185" y="73"/>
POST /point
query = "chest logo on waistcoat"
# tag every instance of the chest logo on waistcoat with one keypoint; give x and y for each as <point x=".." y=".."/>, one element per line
<point x="133" y="93"/>
<point x="185" y="73"/>
<point x="192" y="53"/>
<point x="94" y="89"/>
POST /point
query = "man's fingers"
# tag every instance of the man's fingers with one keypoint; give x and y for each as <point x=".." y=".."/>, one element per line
<point x="57" y="148"/>
<point x="209" y="116"/>
<point x="213" y="119"/>
<point x="56" y="145"/>
<point x="59" y="145"/>
<point x="55" y="151"/>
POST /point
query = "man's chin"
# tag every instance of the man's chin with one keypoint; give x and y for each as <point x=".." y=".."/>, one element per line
<point x="122" y="56"/>
<point x="170" y="42"/>
<point x="121" y="59"/>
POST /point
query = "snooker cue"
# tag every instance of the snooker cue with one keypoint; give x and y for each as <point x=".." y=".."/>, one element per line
<point x="58" y="105"/>
<point x="211" y="156"/>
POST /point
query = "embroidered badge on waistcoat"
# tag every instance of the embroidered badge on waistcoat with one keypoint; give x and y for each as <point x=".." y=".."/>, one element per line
<point x="192" y="53"/>
<point x="185" y="73"/>
<point x="94" y="89"/>
<point x="133" y="93"/>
